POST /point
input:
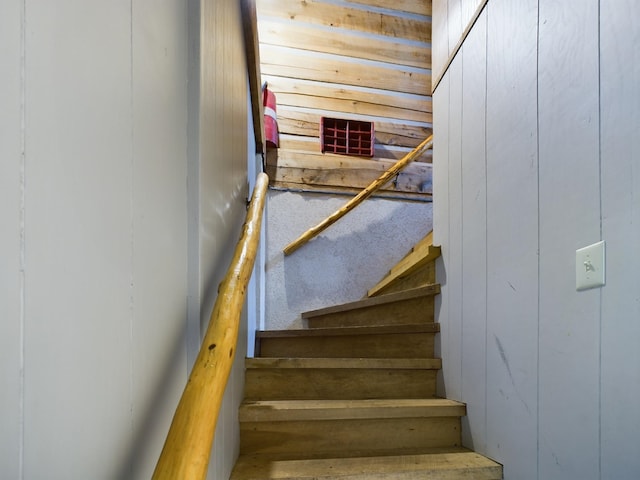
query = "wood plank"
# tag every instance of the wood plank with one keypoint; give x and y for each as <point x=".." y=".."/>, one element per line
<point x="332" y="15"/>
<point x="338" y="384"/>
<point x="294" y="121"/>
<point x="420" y="103"/>
<point x="348" y="107"/>
<point x="299" y="143"/>
<point x="292" y="63"/>
<point x="453" y="464"/>
<point x="284" y="410"/>
<point x="419" y="7"/>
<point x="341" y="42"/>
<point x="352" y="437"/>
<point x="252" y="53"/>
<point x="415" y="310"/>
<point x="375" y="302"/>
<point x="326" y="170"/>
<point x="343" y="363"/>
<point x="424" y="252"/>
<point x="387" y="345"/>
<point x="375" y="330"/>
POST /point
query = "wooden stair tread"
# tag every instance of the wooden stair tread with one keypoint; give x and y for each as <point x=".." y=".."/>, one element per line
<point x="375" y="301"/>
<point x="294" y="410"/>
<point x="358" y="330"/>
<point x="452" y="464"/>
<point x="345" y="363"/>
<point x="420" y="255"/>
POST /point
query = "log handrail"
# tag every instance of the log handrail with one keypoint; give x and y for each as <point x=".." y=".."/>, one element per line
<point x="187" y="449"/>
<point x="358" y="199"/>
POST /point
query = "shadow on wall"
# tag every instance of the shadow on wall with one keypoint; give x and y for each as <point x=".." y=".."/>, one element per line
<point x="341" y="263"/>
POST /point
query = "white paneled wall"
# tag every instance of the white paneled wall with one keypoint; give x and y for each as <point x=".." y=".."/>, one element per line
<point x="536" y="155"/>
<point x="114" y="214"/>
<point x="12" y="216"/>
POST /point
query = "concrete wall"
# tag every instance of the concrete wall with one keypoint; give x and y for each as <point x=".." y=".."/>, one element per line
<point x="341" y="263"/>
<point x="114" y="214"/>
<point x="536" y="155"/>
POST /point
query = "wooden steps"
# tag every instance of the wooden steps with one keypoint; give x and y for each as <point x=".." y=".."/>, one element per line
<point x="340" y="378"/>
<point x="417" y="268"/>
<point x="387" y="341"/>
<point x="352" y="397"/>
<point x="436" y="464"/>
<point x="348" y="427"/>
<point x="413" y="306"/>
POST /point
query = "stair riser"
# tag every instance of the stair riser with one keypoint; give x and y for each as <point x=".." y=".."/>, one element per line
<point x="412" y="311"/>
<point x="404" y="345"/>
<point x="425" y="275"/>
<point x="338" y="384"/>
<point x="342" y="438"/>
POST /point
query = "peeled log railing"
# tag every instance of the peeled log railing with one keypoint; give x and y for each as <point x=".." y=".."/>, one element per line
<point x="187" y="449"/>
<point x="385" y="178"/>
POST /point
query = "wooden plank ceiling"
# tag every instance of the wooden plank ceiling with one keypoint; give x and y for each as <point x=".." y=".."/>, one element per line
<point x="355" y="59"/>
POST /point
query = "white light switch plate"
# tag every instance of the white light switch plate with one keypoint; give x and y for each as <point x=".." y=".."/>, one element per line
<point x="590" y="266"/>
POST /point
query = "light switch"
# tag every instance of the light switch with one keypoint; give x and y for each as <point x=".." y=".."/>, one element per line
<point x="590" y="266"/>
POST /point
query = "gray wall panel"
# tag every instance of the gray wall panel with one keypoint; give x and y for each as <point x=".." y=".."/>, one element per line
<point x="620" y="162"/>
<point x="474" y="239"/>
<point x="569" y="219"/>
<point x="512" y="237"/>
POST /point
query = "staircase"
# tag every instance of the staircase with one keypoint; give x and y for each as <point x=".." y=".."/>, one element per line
<point x="353" y="396"/>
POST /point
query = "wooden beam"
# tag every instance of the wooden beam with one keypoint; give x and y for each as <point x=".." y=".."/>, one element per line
<point x="383" y="180"/>
<point x="187" y="448"/>
<point x="331" y="15"/>
<point x="291" y="63"/>
<point x="341" y="42"/>
<point x="252" y="52"/>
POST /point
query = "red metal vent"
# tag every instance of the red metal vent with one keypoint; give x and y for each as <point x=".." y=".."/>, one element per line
<point x="346" y="137"/>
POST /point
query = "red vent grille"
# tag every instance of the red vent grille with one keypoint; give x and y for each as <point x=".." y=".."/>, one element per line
<point x="346" y="137"/>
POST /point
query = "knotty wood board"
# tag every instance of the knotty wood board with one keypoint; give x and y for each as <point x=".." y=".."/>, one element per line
<point x="341" y="42"/>
<point x="286" y="62"/>
<point x="620" y="144"/>
<point x="332" y="15"/>
<point x="419" y="7"/>
<point x="420" y="103"/>
<point x="318" y="169"/>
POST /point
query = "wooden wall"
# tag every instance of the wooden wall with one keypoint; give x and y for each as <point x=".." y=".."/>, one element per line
<point x="360" y="59"/>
